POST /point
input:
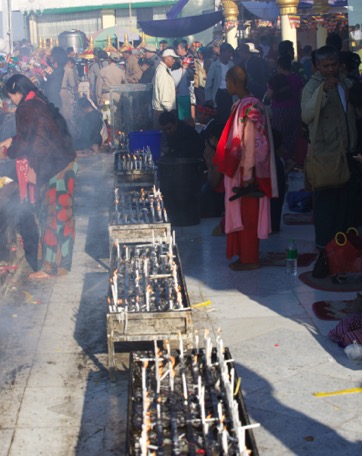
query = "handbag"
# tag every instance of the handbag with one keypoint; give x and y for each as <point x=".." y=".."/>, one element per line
<point x="324" y="169"/>
<point x="344" y="252"/>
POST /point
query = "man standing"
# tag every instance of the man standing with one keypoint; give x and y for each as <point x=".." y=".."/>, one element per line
<point x="101" y="61"/>
<point x="164" y="90"/>
<point x="335" y="209"/>
<point x="256" y="69"/>
<point x="215" y="89"/>
<point x="150" y="53"/>
<point x="133" y="70"/>
<point x="110" y="75"/>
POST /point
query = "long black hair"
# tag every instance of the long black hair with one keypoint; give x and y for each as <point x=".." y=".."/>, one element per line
<point x="18" y="83"/>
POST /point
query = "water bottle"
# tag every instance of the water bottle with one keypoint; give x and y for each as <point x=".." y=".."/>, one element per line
<point x="292" y="259"/>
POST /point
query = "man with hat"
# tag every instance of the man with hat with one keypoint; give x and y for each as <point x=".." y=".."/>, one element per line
<point x="164" y="90"/>
<point x="133" y="70"/>
<point x="110" y="75"/>
<point x="150" y="53"/>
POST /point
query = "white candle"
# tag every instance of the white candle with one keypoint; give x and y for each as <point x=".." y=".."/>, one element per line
<point x="225" y="442"/>
<point x="174" y="237"/>
<point x="241" y="438"/>
<point x="184" y="385"/>
<point x="145" y="267"/>
<point x="144" y="378"/>
<point x="197" y="342"/>
<point x="232" y="378"/>
<point x="147" y="300"/>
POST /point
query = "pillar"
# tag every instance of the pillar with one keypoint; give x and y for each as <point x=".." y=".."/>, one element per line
<point x="287" y="8"/>
<point x="7" y="26"/>
<point x="320" y="8"/>
<point x="231" y="15"/>
<point x="33" y="30"/>
<point x="108" y="18"/>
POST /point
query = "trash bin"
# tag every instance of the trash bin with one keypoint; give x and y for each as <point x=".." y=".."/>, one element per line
<point x="141" y="139"/>
<point x="180" y="185"/>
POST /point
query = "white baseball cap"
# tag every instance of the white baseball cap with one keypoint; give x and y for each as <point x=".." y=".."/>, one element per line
<point x="170" y="53"/>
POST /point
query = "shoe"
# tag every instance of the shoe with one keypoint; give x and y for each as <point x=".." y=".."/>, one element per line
<point x="320" y="269"/>
<point x="237" y="266"/>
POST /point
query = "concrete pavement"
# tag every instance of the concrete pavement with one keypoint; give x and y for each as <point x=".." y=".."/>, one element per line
<point x="55" y="394"/>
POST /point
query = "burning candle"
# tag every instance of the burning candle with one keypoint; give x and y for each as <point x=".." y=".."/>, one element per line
<point x="147" y="299"/>
<point x="173" y="237"/>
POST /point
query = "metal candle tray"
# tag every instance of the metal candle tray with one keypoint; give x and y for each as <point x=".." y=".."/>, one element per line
<point x="137" y="215"/>
<point x="187" y="403"/>
<point x="134" y="169"/>
<point x="143" y="312"/>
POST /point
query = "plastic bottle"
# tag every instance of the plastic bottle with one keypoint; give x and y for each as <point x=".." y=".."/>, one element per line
<point x="292" y="259"/>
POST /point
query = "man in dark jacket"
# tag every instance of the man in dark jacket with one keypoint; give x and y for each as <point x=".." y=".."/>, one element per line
<point x="183" y="141"/>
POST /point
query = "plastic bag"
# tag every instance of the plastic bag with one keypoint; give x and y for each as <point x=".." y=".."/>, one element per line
<point x="354" y="351"/>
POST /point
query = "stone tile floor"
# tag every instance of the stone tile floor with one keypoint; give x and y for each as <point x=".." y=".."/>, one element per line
<point x="55" y="394"/>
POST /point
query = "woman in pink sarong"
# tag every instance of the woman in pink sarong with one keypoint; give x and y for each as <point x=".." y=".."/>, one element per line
<point x="246" y="158"/>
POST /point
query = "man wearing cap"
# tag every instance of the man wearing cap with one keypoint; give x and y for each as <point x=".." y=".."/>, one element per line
<point x="164" y="90"/>
<point x="101" y="61"/>
<point x="110" y="75"/>
<point x="215" y="89"/>
<point x="133" y="70"/>
<point x="150" y="53"/>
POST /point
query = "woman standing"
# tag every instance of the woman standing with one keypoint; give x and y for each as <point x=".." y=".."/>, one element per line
<point x="44" y="146"/>
<point x="245" y="158"/>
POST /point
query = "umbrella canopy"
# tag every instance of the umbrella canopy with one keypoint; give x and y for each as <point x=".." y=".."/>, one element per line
<point x="117" y="31"/>
<point x="184" y="26"/>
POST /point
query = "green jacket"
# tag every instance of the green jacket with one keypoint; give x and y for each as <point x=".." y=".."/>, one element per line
<point x="333" y="120"/>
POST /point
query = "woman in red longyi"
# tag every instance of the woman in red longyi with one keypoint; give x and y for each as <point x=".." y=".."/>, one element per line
<point x="245" y="157"/>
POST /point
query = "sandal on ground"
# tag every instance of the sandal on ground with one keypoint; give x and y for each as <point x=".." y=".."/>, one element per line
<point x="38" y="275"/>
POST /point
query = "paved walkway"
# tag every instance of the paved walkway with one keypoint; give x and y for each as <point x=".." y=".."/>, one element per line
<point x="55" y="395"/>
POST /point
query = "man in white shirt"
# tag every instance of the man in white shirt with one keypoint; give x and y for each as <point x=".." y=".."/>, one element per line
<point x="215" y="89"/>
<point x="164" y="90"/>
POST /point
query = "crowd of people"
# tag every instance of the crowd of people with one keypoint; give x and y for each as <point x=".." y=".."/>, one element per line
<point x="249" y="112"/>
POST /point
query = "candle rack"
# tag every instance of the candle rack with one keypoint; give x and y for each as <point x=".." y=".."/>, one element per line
<point x="134" y="168"/>
<point x="138" y="215"/>
<point x="187" y="402"/>
<point x="147" y="295"/>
